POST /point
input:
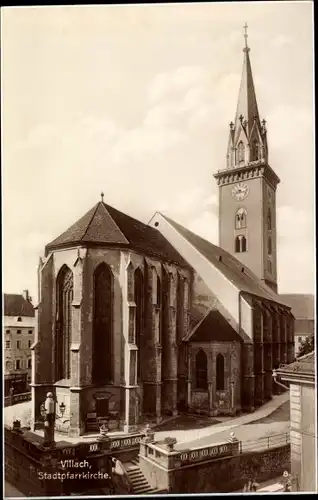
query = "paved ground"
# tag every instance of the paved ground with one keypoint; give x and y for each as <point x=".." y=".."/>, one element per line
<point x="10" y="491"/>
<point x="271" y="418"/>
<point x="276" y="423"/>
<point x="227" y="425"/>
<point x="271" y="486"/>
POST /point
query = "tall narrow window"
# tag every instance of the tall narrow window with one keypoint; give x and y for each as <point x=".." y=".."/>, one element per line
<point x="240" y="244"/>
<point x="243" y="244"/>
<point x="220" y="382"/>
<point x="139" y="301"/>
<point x="240" y="218"/>
<point x="63" y="323"/>
<point x="241" y="151"/>
<point x="158" y="292"/>
<point x="255" y="150"/>
<point x="201" y="370"/>
<point x="269" y="219"/>
<point x="269" y="245"/>
<point x="102" y="326"/>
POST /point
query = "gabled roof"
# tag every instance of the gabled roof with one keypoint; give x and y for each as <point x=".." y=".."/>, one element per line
<point x="106" y="226"/>
<point x="17" y="305"/>
<point x="302" y="368"/>
<point x="213" y="327"/>
<point x="242" y="277"/>
<point x="302" y="305"/>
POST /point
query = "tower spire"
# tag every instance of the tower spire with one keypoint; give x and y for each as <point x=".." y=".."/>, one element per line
<point x="247" y="132"/>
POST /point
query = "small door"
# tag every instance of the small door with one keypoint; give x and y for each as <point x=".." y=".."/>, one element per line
<point x="102" y="407"/>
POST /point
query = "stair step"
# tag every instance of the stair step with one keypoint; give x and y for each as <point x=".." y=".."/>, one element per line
<point x="147" y="489"/>
<point x="140" y="480"/>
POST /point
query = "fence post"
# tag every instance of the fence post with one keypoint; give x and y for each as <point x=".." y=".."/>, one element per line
<point x="268" y="442"/>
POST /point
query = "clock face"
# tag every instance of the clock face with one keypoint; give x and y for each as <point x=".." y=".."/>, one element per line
<point x="240" y="191"/>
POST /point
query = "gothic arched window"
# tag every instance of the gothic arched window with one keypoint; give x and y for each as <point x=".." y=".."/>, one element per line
<point x="241" y="151"/>
<point x="201" y="370"/>
<point x="220" y="382"/>
<point x="255" y="150"/>
<point x="63" y="338"/>
<point x="240" y="218"/>
<point x="240" y="244"/>
<point x="269" y="219"/>
<point x="139" y="301"/>
<point x="269" y="245"/>
<point x="102" y="372"/>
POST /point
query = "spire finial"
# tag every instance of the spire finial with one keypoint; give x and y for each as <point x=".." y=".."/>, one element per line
<point x="245" y="34"/>
<point x="102" y="196"/>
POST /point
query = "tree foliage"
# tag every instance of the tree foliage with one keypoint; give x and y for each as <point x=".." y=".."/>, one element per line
<point x="306" y="346"/>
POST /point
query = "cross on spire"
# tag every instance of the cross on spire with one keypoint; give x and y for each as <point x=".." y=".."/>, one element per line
<point x="245" y="34"/>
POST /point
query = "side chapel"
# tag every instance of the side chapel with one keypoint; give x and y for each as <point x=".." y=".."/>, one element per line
<point x="137" y="321"/>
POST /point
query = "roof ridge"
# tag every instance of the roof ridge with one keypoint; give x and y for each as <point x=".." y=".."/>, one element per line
<point x="96" y="206"/>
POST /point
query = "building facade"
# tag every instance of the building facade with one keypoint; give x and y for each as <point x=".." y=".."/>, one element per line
<point x="247" y="187"/>
<point x="137" y="321"/>
<point x="303" y="413"/>
<point x="18" y="321"/>
<point x="303" y="309"/>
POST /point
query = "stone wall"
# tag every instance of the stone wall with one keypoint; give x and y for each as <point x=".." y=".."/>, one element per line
<point x="230" y="474"/>
<point x="196" y="471"/>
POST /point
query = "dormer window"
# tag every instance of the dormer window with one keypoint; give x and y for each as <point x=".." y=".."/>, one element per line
<point x="19" y="319"/>
<point x="241" y="152"/>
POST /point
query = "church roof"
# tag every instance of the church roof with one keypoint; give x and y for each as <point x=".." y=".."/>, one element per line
<point x="241" y="276"/>
<point x="106" y="226"/>
<point x="213" y="327"/>
<point x="302" y="305"/>
<point x="17" y="305"/>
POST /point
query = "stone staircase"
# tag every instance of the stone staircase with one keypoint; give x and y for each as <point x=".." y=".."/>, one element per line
<point x="139" y="483"/>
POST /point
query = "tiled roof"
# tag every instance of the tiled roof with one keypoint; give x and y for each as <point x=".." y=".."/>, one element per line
<point x="104" y="225"/>
<point x="303" y="305"/>
<point x="213" y="327"/>
<point x="303" y="366"/>
<point x="242" y="277"/>
<point x="16" y="305"/>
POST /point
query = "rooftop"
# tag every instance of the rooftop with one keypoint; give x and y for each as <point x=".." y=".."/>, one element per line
<point x="303" y="367"/>
<point x="105" y="226"/>
<point x="17" y="305"/>
<point x="303" y="305"/>
<point x="213" y="327"/>
<point x="240" y="275"/>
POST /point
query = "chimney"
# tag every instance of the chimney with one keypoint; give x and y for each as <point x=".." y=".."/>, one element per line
<point x="25" y="294"/>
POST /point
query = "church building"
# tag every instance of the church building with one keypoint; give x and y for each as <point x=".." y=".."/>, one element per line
<point x="136" y="322"/>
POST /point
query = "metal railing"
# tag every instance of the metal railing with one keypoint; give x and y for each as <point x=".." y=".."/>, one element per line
<point x="265" y="443"/>
<point x="17" y="398"/>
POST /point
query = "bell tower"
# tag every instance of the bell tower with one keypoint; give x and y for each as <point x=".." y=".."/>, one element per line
<point x="247" y="187"/>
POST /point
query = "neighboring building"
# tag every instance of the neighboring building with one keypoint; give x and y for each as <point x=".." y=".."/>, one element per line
<point x="303" y="415"/>
<point x="139" y="321"/>
<point x="19" y="321"/>
<point x="303" y="309"/>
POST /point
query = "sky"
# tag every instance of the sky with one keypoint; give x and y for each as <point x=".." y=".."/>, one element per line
<point x="136" y="101"/>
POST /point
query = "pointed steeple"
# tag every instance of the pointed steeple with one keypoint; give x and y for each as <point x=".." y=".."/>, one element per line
<point x="247" y="141"/>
